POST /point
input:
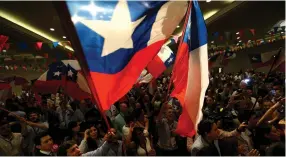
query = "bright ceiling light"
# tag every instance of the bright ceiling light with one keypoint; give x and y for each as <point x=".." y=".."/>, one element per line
<point x="240" y="41"/>
<point x="210" y="13"/>
<point x="237" y="33"/>
<point x="212" y="42"/>
<point x="238" y="38"/>
<point x="64" y="37"/>
<point x="29" y="27"/>
<point x="208" y="1"/>
<point x="52" y="29"/>
<point x="282" y="32"/>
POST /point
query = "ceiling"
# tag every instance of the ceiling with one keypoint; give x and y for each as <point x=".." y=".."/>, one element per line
<point x="30" y="21"/>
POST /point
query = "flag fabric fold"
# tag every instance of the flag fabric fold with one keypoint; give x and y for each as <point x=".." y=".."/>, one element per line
<point x="120" y="39"/>
<point x="190" y="72"/>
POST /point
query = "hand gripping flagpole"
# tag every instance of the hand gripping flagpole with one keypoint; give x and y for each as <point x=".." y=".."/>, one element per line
<point x="272" y="65"/>
<point x="67" y="23"/>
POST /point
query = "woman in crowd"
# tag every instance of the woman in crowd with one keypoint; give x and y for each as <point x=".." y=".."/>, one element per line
<point x="91" y="140"/>
<point x="143" y="144"/>
<point x="73" y="131"/>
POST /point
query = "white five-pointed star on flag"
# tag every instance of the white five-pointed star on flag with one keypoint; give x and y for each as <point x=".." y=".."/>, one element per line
<point x="57" y="73"/>
<point x="70" y="73"/>
<point x="117" y="32"/>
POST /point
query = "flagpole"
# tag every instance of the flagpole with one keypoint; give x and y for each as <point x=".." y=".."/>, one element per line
<point x="274" y="61"/>
<point x="180" y="45"/>
<point x="67" y="23"/>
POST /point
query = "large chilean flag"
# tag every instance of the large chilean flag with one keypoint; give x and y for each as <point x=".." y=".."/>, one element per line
<point x="117" y="39"/>
<point x="190" y="72"/>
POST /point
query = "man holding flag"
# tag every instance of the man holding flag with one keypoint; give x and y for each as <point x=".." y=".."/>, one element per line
<point x="115" y="40"/>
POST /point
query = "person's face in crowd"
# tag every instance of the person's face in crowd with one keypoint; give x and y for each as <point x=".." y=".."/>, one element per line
<point x="138" y="105"/>
<point x="146" y="98"/>
<point x="170" y="115"/>
<point x="132" y="100"/>
<point x="142" y="115"/>
<point x="73" y="151"/>
<point x="114" y="138"/>
<point x="267" y="104"/>
<point x="209" y="101"/>
<point x="34" y="117"/>
<point x="123" y="108"/>
<point x="274" y="135"/>
<point x="46" y="143"/>
<point x="76" y="129"/>
<point x="210" y="93"/>
<point x="5" y="130"/>
<point x="242" y="85"/>
<point x="93" y="133"/>
<point x="214" y="133"/>
<point x="253" y="121"/>
<point x="249" y="92"/>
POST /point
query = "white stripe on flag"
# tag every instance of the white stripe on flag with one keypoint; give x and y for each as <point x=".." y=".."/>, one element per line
<point x="43" y="77"/>
<point x="197" y="84"/>
<point x="165" y="53"/>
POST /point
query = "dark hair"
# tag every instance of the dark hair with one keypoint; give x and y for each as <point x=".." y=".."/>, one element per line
<point x="71" y="125"/>
<point x="137" y="113"/>
<point x="64" y="147"/>
<point x="277" y="149"/>
<point x="129" y="118"/>
<point x="91" y="143"/>
<point x="134" y="135"/>
<point x="38" y="138"/>
<point x="205" y="126"/>
<point x="74" y="104"/>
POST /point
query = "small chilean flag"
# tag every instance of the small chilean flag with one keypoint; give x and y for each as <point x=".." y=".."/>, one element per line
<point x="161" y="61"/>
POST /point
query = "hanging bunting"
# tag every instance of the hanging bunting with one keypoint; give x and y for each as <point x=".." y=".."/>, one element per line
<point x="55" y="44"/>
<point x="252" y="31"/>
<point x="39" y="45"/>
<point x="51" y="46"/>
<point x="7" y="46"/>
<point x="22" y="46"/>
<point x="3" y="40"/>
<point x="241" y="34"/>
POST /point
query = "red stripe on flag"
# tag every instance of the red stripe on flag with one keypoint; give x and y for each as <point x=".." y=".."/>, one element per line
<point x="46" y="87"/>
<point x="70" y="89"/>
<point x="156" y="67"/>
<point x="120" y="83"/>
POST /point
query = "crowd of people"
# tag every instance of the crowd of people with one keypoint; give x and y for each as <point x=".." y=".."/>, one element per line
<point x="144" y="121"/>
